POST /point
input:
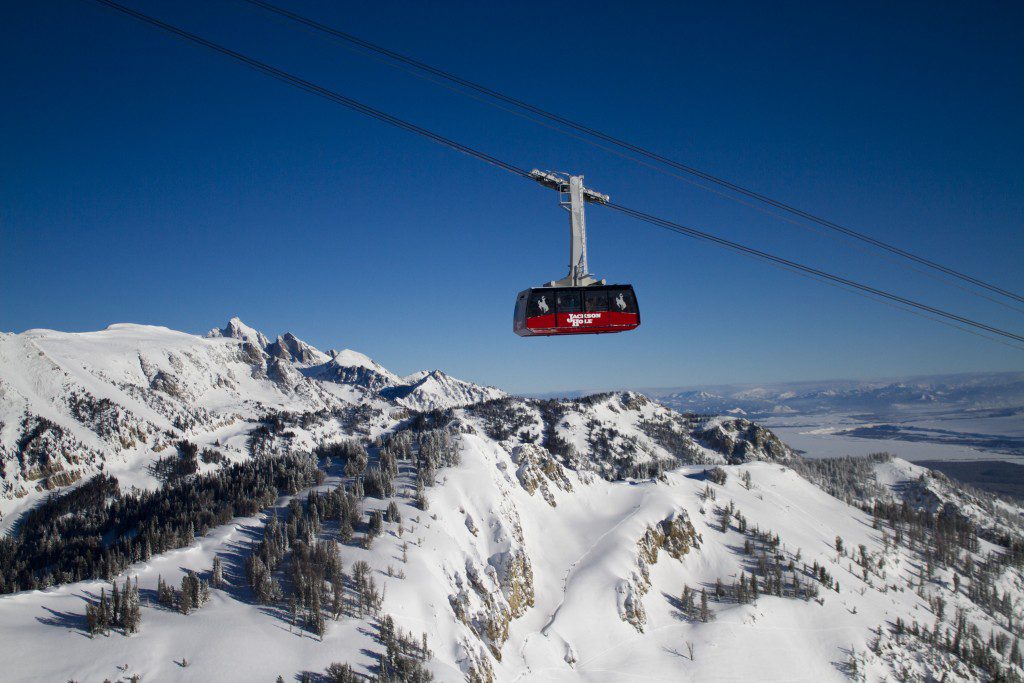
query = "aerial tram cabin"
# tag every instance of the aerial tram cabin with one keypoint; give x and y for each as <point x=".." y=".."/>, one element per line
<point x="594" y="309"/>
<point x="578" y="303"/>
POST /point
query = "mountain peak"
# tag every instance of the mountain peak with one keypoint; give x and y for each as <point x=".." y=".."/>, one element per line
<point x="290" y="347"/>
<point x="350" y="358"/>
<point x="236" y="329"/>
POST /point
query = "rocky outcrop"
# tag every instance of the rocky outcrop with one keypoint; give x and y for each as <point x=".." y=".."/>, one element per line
<point x="109" y="421"/>
<point x="539" y="471"/>
<point x="335" y="370"/>
<point x="290" y="348"/>
<point x="629" y="594"/>
<point x="490" y="594"/>
<point x="741" y="440"/>
<point x="44" y="448"/>
<point x="676" y="536"/>
<point x="488" y="598"/>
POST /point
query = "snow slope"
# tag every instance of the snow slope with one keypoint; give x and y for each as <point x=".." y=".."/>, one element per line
<point x="583" y="553"/>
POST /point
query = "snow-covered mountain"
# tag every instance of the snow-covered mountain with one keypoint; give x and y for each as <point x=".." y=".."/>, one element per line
<point x="73" y="403"/>
<point x="457" y="533"/>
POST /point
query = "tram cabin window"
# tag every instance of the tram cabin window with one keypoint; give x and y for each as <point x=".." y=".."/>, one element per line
<point x="596" y="301"/>
<point x="569" y="301"/>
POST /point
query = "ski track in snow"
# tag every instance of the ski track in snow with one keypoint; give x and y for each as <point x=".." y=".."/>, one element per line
<point x="572" y="568"/>
<point x="566" y="580"/>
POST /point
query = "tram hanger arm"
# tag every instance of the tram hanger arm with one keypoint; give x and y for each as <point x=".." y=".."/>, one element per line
<point x="557" y="182"/>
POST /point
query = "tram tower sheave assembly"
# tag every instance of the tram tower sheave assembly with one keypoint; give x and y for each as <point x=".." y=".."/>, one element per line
<point x="579" y="303"/>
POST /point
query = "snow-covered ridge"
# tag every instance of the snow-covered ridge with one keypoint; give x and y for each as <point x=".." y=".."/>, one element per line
<point x="624" y="435"/>
<point x="72" y="403"/>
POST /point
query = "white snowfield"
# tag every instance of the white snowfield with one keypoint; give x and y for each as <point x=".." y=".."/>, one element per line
<point x="523" y="566"/>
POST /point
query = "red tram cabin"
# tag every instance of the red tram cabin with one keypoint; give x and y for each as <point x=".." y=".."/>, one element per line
<point x="594" y="309"/>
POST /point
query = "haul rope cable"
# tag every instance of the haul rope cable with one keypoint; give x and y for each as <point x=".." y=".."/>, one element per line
<point x="637" y="149"/>
<point x="355" y="105"/>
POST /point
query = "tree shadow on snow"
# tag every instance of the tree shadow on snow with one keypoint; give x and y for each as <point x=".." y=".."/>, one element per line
<point x="69" y="620"/>
<point x="846" y="666"/>
<point x="148" y="597"/>
<point x="701" y="475"/>
<point x="677" y="608"/>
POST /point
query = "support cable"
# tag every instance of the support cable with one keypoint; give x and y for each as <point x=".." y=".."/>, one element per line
<point x="355" y="105"/>
<point x="644" y="152"/>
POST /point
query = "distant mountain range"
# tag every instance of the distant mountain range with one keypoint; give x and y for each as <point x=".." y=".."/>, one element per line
<point x="981" y="392"/>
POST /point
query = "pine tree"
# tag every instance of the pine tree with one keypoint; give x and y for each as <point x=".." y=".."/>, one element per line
<point x="393" y="514"/>
<point x="421" y="494"/>
<point x="186" y="594"/>
<point x="337" y="597"/>
<point x="115" y="605"/>
<point x="164" y="593"/>
<point x="104" y="617"/>
<point x="314" y="523"/>
<point x="92" y="619"/>
<point x="376" y="524"/>
<point x="122" y="613"/>
<point x="341" y="673"/>
<point x="316" y="619"/>
<point x="705" y="613"/>
<point x="319" y="625"/>
<point x="196" y="587"/>
<point x="131" y="615"/>
<point x="136" y="613"/>
<point x="217" y="574"/>
<point x="345" y="531"/>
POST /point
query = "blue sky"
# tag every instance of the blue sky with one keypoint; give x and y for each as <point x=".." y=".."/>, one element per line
<point x="146" y="180"/>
